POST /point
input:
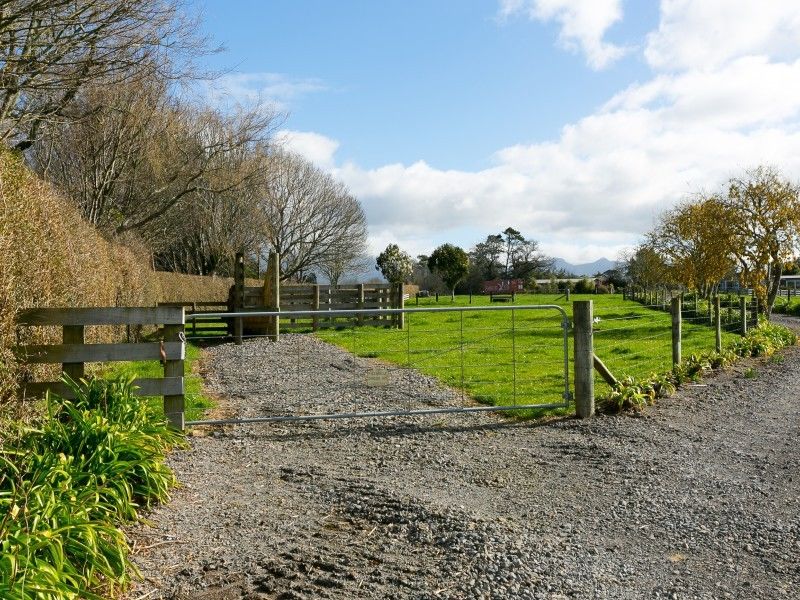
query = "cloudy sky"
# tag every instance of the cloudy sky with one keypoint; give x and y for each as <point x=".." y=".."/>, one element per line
<point x="574" y="121"/>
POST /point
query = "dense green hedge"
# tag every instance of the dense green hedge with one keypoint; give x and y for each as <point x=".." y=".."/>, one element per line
<point x="68" y="483"/>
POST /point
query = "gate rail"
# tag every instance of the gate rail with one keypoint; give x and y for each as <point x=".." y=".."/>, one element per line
<point x="565" y="326"/>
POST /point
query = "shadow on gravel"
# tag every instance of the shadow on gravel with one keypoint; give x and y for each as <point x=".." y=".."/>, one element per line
<point x="341" y="429"/>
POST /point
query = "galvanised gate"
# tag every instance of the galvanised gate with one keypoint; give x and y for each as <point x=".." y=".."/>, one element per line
<point x="496" y="358"/>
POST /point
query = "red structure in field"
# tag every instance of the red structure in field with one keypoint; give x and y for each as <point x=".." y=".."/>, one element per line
<point x="503" y="286"/>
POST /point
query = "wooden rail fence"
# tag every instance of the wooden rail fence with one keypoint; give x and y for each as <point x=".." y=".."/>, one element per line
<point x="74" y="353"/>
<point x="203" y="307"/>
<point x="277" y="296"/>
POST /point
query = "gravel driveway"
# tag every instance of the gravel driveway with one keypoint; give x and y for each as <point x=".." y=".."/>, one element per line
<point x="698" y="498"/>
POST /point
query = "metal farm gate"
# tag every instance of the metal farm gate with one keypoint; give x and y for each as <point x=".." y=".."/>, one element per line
<point x="467" y="359"/>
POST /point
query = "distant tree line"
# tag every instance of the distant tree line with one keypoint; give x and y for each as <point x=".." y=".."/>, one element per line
<point x="98" y="95"/>
<point x="506" y="255"/>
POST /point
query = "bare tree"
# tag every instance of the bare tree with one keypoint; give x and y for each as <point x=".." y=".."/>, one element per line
<point x="349" y="257"/>
<point x="51" y="49"/>
<point x="141" y="152"/>
<point x="311" y="218"/>
<point x="208" y="231"/>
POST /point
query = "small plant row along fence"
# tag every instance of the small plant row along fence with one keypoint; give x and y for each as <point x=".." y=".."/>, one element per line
<point x="74" y="352"/>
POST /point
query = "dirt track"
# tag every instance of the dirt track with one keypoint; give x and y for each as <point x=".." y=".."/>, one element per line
<point x="700" y="498"/>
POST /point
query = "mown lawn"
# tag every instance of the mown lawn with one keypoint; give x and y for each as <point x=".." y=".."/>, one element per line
<point x="516" y="357"/>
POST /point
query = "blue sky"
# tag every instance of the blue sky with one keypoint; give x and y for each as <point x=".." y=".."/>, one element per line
<point x="575" y="121"/>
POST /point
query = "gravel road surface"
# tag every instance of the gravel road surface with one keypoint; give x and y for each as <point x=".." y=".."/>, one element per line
<point x="698" y="498"/>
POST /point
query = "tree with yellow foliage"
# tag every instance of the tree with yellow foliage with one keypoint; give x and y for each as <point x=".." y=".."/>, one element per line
<point x="763" y="211"/>
<point x="694" y="239"/>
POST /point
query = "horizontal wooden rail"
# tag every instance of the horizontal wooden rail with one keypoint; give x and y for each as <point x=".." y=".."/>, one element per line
<point x="164" y="386"/>
<point x="188" y="304"/>
<point x="82" y="353"/>
<point x="165" y="315"/>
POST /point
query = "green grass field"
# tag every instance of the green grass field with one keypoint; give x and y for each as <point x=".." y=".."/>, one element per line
<point x="517" y="357"/>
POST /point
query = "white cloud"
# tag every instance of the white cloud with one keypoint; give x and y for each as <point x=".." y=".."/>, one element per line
<point x="599" y="184"/>
<point x="275" y="89"/>
<point x="706" y="34"/>
<point x="583" y="24"/>
<point x="317" y="148"/>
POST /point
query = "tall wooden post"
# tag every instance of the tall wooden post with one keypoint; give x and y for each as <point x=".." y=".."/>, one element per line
<point x="174" y="367"/>
<point x="360" y="303"/>
<point x="238" y="296"/>
<point x="73" y="334"/>
<point x="718" y="323"/>
<point x="400" y="304"/>
<point x="743" y="314"/>
<point x="677" y="322"/>
<point x="272" y="294"/>
<point x="315" y="306"/>
<point x="584" y="358"/>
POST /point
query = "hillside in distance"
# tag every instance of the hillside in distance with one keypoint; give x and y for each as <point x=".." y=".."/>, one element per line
<point x="584" y="269"/>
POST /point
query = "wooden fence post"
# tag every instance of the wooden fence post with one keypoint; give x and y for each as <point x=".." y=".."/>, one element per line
<point x="677" y="323"/>
<point x="238" y="296"/>
<point x="718" y="323"/>
<point x="315" y="306"/>
<point x="401" y="302"/>
<point x="584" y="358"/>
<point x="272" y="294"/>
<point x="174" y="405"/>
<point x="360" y="303"/>
<point x="743" y="314"/>
<point x="73" y="334"/>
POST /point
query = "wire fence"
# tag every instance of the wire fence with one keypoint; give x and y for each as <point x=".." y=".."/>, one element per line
<point x="510" y="354"/>
<point x="640" y="342"/>
<point x="500" y="356"/>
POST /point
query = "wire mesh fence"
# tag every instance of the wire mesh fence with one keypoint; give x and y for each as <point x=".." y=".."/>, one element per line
<point x="514" y="355"/>
<point x="500" y="356"/>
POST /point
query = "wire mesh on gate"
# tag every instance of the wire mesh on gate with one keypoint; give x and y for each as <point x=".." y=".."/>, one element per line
<point x="497" y="357"/>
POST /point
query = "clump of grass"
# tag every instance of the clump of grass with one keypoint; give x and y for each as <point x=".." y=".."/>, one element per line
<point x="67" y="484"/>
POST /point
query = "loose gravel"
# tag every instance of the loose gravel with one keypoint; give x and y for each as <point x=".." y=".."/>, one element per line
<point x="697" y="498"/>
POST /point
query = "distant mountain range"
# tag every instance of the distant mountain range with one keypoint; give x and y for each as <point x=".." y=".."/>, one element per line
<point x="584" y="269"/>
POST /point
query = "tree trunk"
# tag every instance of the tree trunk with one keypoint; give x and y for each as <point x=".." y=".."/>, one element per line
<point x="773" y="287"/>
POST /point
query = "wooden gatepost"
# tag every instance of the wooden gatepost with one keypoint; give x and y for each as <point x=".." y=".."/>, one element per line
<point x="266" y="297"/>
<point x="272" y="295"/>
